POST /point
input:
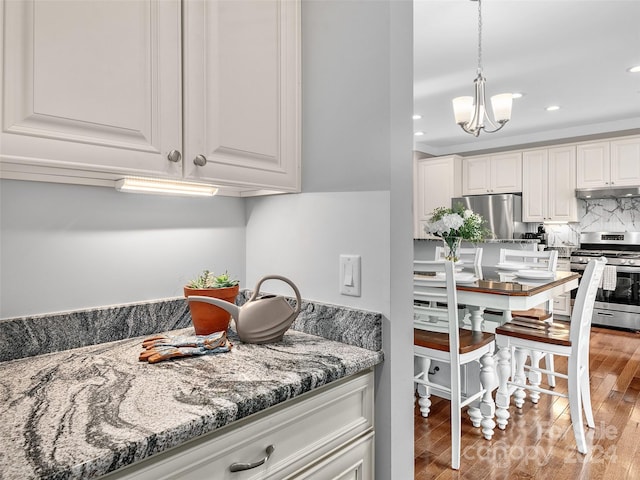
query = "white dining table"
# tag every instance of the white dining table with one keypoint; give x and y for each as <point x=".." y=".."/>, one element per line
<point x="505" y="292"/>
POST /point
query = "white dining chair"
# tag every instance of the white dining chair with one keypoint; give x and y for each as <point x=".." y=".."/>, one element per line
<point x="571" y="342"/>
<point x="437" y="337"/>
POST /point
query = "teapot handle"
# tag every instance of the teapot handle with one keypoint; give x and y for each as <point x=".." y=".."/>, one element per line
<point x="256" y="291"/>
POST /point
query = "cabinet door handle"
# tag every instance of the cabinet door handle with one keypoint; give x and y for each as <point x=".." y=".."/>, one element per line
<point x="200" y="160"/>
<point x="238" y="467"/>
<point x="174" y="156"/>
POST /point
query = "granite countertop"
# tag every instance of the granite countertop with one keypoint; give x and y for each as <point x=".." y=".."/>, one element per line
<point x="81" y="413"/>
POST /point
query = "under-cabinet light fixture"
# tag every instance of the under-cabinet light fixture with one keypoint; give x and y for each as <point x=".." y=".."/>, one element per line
<point x="159" y="186"/>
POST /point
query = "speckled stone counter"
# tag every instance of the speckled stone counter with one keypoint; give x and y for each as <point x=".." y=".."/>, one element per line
<point x="81" y="413"/>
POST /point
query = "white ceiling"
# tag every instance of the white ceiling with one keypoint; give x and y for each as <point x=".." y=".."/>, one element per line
<point x="571" y="53"/>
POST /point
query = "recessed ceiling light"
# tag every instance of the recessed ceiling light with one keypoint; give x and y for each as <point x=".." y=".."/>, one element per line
<point x="635" y="69"/>
<point x="517" y="95"/>
<point x="418" y="134"/>
<point x="417" y="117"/>
<point x="553" y="108"/>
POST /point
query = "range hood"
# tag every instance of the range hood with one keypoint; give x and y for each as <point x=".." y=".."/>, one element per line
<point x="611" y="192"/>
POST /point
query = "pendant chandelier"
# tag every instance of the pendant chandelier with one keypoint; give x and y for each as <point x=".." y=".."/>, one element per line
<point x="470" y="112"/>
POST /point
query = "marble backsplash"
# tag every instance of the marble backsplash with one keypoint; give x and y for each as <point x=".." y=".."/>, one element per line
<point x="597" y="215"/>
<point x="29" y="336"/>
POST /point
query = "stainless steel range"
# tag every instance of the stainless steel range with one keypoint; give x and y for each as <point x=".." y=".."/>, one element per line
<point x="618" y="300"/>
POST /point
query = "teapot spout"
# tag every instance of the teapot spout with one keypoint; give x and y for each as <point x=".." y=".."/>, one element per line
<point x="228" y="306"/>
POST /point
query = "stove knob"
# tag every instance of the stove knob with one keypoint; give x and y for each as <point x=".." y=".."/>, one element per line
<point x="622" y="261"/>
<point x="632" y="262"/>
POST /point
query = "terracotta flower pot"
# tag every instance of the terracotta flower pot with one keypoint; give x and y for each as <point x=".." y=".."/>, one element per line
<point x="208" y="318"/>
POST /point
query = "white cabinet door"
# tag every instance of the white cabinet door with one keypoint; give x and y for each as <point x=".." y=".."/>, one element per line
<point x="625" y="162"/>
<point x="476" y="175"/>
<point x="593" y="165"/>
<point x="549" y="180"/>
<point x="535" y="185"/>
<point x="436" y="182"/>
<point x="91" y="86"/>
<point x="562" y="304"/>
<point x="506" y="173"/>
<point x="562" y="202"/>
<point x="242" y="93"/>
<point x="500" y="173"/>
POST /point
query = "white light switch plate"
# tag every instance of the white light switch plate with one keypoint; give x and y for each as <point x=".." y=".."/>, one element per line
<point x="350" y="283"/>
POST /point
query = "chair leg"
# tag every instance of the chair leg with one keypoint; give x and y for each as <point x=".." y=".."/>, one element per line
<point x="422" y="365"/>
<point x="502" y="395"/>
<point x="424" y="402"/>
<point x="575" y="405"/>
<point x="519" y="394"/>
<point x="535" y="377"/>
<point x="487" y="406"/>
<point x="471" y="373"/>
<point x="456" y="433"/>
<point x="585" y="390"/>
<point x="548" y="364"/>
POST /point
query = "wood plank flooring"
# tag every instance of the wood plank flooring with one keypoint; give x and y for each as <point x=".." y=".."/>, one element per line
<point x="538" y="443"/>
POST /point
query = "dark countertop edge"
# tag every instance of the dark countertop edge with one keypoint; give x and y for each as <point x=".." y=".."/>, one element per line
<point x="489" y="240"/>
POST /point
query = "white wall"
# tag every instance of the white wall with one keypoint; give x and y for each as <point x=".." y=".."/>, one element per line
<point x="302" y="236"/>
<point x="67" y="247"/>
<point x="357" y="166"/>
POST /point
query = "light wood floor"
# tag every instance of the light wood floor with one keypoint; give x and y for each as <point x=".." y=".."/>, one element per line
<point x="538" y="442"/>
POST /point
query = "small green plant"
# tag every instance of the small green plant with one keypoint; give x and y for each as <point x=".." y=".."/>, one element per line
<point x="208" y="279"/>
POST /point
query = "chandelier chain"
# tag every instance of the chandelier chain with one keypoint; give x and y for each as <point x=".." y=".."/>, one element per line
<point x="479" y="36"/>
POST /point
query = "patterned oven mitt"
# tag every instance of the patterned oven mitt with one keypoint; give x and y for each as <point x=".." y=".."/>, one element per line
<point x="164" y="347"/>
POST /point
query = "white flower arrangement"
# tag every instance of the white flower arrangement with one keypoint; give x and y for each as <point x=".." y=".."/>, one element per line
<point x="456" y="222"/>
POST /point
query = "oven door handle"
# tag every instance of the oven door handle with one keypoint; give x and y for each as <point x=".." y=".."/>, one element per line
<point x="603" y="314"/>
<point x="627" y="269"/>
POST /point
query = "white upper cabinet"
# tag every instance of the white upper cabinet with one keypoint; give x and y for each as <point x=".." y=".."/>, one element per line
<point x="625" y="162"/>
<point x="614" y="163"/>
<point x="91" y="86"/>
<point x="549" y="182"/>
<point x="97" y="90"/>
<point x="242" y="93"/>
<point x="499" y="173"/>
<point x="435" y="182"/>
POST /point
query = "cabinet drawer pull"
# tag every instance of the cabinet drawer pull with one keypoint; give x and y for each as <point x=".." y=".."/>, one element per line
<point x="238" y="467"/>
<point x="174" y="156"/>
<point x="200" y="160"/>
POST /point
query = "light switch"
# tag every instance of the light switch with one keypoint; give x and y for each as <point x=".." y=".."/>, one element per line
<point x="350" y="275"/>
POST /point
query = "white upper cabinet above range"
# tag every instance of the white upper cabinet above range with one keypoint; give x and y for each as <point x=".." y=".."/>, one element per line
<point x="206" y="90"/>
<point x="614" y="163"/>
<point x="497" y="173"/>
<point x="548" y="186"/>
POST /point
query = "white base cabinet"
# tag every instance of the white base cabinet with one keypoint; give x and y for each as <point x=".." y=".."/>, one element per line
<point x="324" y="434"/>
<point x="562" y="304"/>
<point x="202" y="90"/>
